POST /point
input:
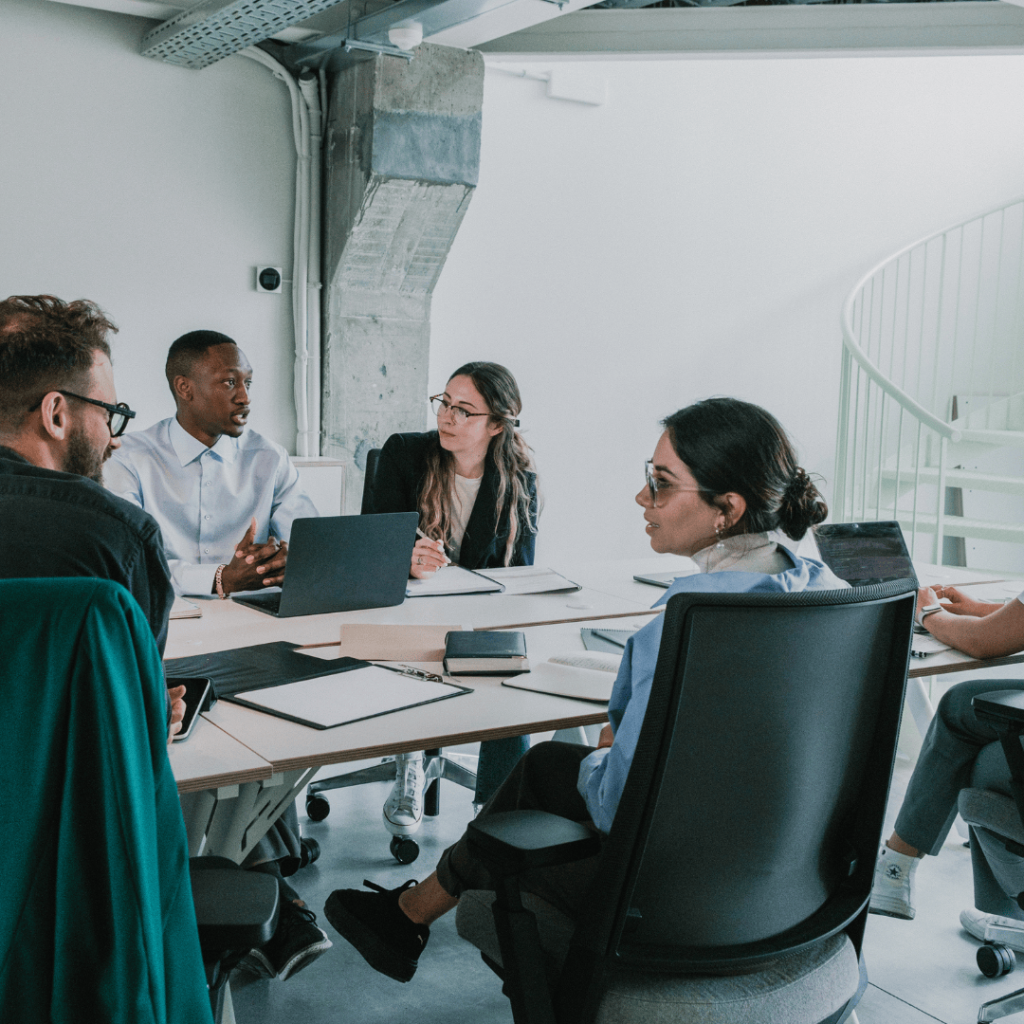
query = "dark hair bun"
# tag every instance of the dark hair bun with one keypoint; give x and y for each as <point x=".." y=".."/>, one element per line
<point x="802" y="505"/>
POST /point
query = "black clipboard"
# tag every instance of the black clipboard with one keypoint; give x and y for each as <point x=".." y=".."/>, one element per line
<point x="243" y="669"/>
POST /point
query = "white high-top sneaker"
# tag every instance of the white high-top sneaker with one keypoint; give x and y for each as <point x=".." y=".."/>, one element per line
<point x="892" y="889"/>
<point x="403" y="809"/>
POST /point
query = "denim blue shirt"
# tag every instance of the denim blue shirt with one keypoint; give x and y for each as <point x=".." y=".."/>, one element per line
<point x="203" y="498"/>
<point x="603" y="773"/>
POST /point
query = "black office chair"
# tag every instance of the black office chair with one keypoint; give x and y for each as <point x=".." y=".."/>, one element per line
<point x="993" y="808"/>
<point x="734" y="884"/>
<point x="458" y="768"/>
<point x="100" y="918"/>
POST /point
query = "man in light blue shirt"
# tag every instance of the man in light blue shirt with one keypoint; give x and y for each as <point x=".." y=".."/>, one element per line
<point x="225" y="498"/>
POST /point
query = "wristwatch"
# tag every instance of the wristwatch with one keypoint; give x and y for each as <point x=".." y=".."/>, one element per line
<point x="924" y="612"/>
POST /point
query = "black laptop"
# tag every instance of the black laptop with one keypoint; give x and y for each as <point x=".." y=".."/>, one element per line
<point x="340" y="564"/>
<point x="865" y="553"/>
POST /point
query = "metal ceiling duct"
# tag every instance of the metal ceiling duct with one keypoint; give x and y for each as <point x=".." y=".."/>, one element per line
<point x="214" y="29"/>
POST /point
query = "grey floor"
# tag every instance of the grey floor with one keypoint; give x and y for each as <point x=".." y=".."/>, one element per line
<point x="920" y="971"/>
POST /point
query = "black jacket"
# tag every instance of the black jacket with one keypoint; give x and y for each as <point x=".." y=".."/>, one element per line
<point x="396" y="487"/>
<point x="59" y="524"/>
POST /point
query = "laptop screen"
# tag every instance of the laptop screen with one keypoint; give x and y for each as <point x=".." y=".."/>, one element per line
<point x="865" y="553"/>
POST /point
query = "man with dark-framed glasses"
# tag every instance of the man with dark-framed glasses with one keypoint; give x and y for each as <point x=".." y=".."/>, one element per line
<point x="59" y="423"/>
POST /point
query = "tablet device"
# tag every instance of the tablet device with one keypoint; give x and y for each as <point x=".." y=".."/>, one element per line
<point x="198" y="697"/>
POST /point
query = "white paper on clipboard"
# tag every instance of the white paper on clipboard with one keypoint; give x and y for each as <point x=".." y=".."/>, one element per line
<point x="329" y="701"/>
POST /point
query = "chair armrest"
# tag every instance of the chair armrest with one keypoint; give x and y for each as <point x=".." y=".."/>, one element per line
<point x="235" y="909"/>
<point x="515" y="841"/>
<point x="1001" y="707"/>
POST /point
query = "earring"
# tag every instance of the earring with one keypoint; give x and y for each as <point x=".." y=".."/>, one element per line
<point x="720" y="544"/>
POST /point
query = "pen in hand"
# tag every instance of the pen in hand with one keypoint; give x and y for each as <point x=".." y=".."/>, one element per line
<point x="430" y="550"/>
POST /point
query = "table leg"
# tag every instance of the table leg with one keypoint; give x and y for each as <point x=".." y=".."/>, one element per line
<point x="230" y="820"/>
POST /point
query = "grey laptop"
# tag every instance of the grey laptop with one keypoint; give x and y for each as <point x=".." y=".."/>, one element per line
<point x="865" y="553"/>
<point x="342" y="563"/>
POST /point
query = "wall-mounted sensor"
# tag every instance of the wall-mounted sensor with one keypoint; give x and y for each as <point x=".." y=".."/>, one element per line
<point x="268" y="279"/>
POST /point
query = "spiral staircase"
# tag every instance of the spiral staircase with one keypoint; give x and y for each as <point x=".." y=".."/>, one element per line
<point x="931" y="410"/>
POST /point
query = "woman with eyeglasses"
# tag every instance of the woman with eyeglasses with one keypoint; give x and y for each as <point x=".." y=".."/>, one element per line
<point x="473" y="483"/>
<point x="722" y="479"/>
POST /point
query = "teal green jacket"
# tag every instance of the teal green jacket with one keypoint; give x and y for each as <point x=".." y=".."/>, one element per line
<point x="97" y="924"/>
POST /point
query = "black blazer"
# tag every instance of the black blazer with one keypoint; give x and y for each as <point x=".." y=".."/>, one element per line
<point x="396" y="487"/>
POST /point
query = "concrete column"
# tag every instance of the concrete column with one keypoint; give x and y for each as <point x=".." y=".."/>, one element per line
<point x="402" y="152"/>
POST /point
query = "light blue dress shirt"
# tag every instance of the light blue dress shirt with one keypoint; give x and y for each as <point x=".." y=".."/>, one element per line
<point x="603" y="773"/>
<point x="203" y="498"/>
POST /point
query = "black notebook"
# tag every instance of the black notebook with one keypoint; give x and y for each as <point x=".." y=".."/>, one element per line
<point x="485" y="653"/>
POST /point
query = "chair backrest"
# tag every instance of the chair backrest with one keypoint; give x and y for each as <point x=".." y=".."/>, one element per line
<point x="368" y="479"/>
<point x="99" y="918"/>
<point x="750" y="820"/>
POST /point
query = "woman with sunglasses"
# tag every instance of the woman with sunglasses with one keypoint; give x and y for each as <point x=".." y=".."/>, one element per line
<point x="722" y="479"/>
<point x="473" y="484"/>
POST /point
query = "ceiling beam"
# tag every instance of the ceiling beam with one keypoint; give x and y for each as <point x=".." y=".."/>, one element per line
<point x="815" y="30"/>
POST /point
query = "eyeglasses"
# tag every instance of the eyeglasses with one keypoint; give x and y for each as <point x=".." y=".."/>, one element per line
<point x="457" y="413"/>
<point x="117" y="415"/>
<point x="654" y="485"/>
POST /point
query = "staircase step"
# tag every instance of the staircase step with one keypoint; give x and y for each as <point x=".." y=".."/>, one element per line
<point x="971" y="529"/>
<point x="990" y="438"/>
<point x="1001" y="413"/>
<point x="966" y="478"/>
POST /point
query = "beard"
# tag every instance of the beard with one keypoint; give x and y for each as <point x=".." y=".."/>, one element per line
<point x="82" y="459"/>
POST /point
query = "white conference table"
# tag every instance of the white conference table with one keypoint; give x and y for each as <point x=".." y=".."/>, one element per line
<point x="227" y="624"/>
<point x="249" y="764"/>
<point x="244" y="767"/>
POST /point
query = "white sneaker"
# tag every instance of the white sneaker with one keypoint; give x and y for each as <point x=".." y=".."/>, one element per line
<point x="991" y="928"/>
<point x="403" y="809"/>
<point x="892" y="888"/>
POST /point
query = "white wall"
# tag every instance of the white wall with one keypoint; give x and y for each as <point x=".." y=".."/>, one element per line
<point x="696" y="236"/>
<point x="149" y="188"/>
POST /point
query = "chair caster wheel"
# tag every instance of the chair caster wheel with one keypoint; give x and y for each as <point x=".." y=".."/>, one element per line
<point x="310" y="850"/>
<point x="994" y="960"/>
<point x="317" y="807"/>
<point x="404" y="849"/>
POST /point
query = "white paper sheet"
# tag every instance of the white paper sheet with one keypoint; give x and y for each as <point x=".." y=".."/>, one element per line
<point x="346" y="697"/>
<point x="451" y="579"/>
<point x="925" y="645"/>
<point x="182" y="609"/>
<point x="601" y="661"/>
<point x="529" y="579"/>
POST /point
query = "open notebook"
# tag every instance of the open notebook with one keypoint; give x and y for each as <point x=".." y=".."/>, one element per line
<point x="586" y="675"/>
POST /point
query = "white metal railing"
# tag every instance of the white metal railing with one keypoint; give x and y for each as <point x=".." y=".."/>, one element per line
<point x="932" y="393"/>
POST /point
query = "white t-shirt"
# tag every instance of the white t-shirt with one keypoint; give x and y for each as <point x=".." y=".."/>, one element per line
<point x="464" y="494"/>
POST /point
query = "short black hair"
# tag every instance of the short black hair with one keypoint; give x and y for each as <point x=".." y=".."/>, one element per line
<point x="184" y="351"/>
<point x="46" y="345"/>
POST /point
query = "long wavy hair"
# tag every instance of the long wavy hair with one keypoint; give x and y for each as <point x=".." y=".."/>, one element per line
<point x="510" y="453"/>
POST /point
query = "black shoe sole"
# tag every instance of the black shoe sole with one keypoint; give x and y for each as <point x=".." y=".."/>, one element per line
<point x="303" y="958"/>
<point x="370" y="946"/>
